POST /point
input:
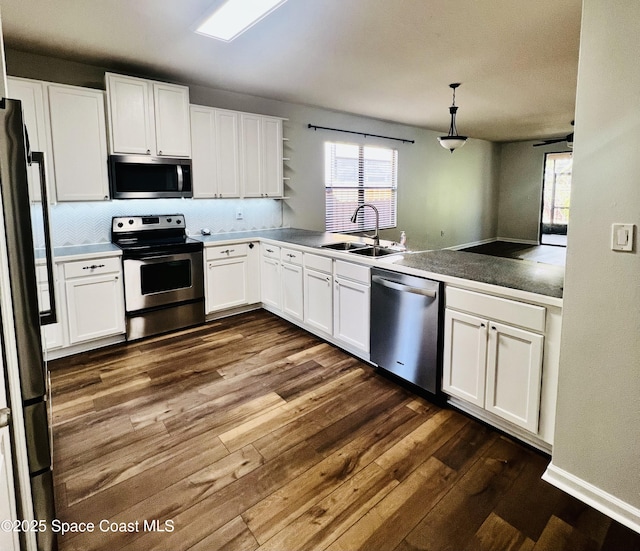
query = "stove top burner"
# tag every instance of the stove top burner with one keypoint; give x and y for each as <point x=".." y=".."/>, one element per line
<point x="161" y="234"/>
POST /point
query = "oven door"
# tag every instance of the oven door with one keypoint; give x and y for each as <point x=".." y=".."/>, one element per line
<point x="159" y="280"/>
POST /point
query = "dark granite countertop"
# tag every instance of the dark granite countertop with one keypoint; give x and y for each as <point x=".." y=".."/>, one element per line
<point x="523" y="275"/>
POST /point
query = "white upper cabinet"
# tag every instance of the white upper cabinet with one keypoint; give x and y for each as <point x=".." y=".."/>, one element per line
<point x="79" y="142"/>
<point x="261" y="155"/>
<point x="215" y="152"/>
<point x="32" y="94"/>
<point x="147" y="117"/>
<point x="171" y="105"/>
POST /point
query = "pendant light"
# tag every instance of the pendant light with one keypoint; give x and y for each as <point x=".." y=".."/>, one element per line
<point x="452" y="141"/>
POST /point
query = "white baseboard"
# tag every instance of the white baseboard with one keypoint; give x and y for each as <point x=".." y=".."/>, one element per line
<point x="472" y="244"/>
<point x="604" y="502"/>
<point x="513" y="240"/>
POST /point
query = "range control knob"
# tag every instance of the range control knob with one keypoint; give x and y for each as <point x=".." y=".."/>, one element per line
<point x="120" y="224"/>
<point x="131" y="221"/>
<point x="178" y="221"/>
<point x="169" y="220"/>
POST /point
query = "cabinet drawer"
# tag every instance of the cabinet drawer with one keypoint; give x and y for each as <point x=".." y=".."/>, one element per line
<point x="94" y="266"/>
<point x="291" y="256"/>
<point x="315" y="262"/>
<point x="355" y="272"/>
<point x="499" y="309"/>
<point x="270" y="251"/>
<point x="226" y="251"/>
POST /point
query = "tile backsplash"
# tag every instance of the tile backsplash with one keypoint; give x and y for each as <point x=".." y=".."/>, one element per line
<point x="90" y="222"/>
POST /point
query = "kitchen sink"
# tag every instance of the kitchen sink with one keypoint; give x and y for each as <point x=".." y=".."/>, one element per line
<point x="345" y="246"/>
<point x="374" y="251"/>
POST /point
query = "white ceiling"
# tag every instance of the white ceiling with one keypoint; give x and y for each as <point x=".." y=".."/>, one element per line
<point x="388" y="59"/>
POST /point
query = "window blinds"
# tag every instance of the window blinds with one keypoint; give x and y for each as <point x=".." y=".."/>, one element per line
<point x="356" y="174"/>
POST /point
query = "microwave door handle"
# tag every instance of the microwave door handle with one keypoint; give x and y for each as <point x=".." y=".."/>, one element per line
<point x="180" y="178"/>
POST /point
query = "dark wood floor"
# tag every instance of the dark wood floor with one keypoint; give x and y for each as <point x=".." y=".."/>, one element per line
<point x="249" y="433"/>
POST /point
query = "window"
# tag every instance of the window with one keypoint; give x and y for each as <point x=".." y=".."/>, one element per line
<point x="556" y="193"/>
<point x="354" y="175"/>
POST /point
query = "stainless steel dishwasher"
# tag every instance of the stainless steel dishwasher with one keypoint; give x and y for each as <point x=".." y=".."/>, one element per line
<point x="405" y="327"/>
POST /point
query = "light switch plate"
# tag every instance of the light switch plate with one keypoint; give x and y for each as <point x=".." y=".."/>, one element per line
<point x="622" y="237"/>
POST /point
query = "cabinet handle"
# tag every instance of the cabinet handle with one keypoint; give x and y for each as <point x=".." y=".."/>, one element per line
<point x="148" y="152"/>
<point x="93" y="267"/>
<point x="291" y="255"/>
<point x="228" y="251"/>
<point x="269" y="250"/>
<point x="482" y="325"/>
<point x="159" y="152"/>
<point x="493" y="327"/>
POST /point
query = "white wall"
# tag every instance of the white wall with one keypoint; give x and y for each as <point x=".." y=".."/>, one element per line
<point x="596" y="453"/>
<point x="443" y="199"/>
<point x="521" y="175"/>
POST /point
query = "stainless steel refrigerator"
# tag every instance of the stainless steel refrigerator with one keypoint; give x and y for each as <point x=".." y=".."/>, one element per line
<point x="19" y="212"/>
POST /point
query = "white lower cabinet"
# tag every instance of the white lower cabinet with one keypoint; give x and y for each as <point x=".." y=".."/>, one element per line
<point x="318" y="293"/>
<point x="292" y="283"/>
<point x="94" y="298"/>
<point x="493" y="365"/>
<point x="227" y="277"/>
<point x="270" y="284"/>
<point x="351" y="305"/>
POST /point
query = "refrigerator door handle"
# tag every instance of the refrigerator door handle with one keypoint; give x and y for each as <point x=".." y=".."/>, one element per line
<point x="48" y="317"/>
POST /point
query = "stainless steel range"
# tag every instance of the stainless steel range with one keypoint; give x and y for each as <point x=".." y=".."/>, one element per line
<point x="163" y="273"/>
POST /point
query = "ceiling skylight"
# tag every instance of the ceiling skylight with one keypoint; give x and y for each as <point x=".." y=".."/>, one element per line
<point x="235" y="16"/>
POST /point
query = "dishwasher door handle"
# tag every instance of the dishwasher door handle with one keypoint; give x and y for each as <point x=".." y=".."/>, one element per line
<point x="404" y="288"/>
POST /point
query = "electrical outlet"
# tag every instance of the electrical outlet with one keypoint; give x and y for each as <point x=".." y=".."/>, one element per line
<point x="239" y="214"/>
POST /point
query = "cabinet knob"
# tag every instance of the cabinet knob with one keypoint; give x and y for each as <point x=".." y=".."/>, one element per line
<point x="482" y="325"/>
<point x="159" y="152"/>
<point x="148" y="152"/>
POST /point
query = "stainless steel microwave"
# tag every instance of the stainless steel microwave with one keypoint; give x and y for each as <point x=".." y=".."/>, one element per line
<point x="146" y="177"/>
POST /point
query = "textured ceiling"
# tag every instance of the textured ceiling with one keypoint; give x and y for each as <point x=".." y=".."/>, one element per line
<point x="388" y="59"/>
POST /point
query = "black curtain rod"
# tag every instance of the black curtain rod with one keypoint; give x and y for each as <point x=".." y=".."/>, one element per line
<point x="365" y="134"/>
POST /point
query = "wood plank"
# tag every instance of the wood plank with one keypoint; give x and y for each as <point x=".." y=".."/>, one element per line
<point x="472" y="498"/>
<point x="384" y="525"/>
<point x="233" y="536"/>
<point x="324" y="522"/>
<point x="422" y="443"/>
<point x="495" y="533"/>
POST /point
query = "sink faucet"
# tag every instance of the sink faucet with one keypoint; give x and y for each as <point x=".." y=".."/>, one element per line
<point x="376" y="237"/>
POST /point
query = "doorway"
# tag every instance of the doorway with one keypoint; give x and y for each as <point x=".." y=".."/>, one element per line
<point x="556" y="196"/>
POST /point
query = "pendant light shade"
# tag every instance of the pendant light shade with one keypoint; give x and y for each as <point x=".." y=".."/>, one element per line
<point x="452" y="141"/>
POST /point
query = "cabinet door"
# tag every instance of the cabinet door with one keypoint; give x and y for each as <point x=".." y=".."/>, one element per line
<point x="203" y="152"/>
<point x="226" y="283"/>
<point x="272" y="185"/>
<point x="318" y="301"/>
<point x="465" y="356"/>
<point x="351" y="313"/>
<point x="95" y="307"/>
<point x="171" y="110"/>
<point x="270" y="282"/>
<point x="130" y="111"/>
<point x="36" y="118"/>
<point x="251" y="145"/>
<point x="292" y="290"/>
<point x="79" y="139"/>
<point x="227" y="152"/>
<point x="514" y="371"/>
